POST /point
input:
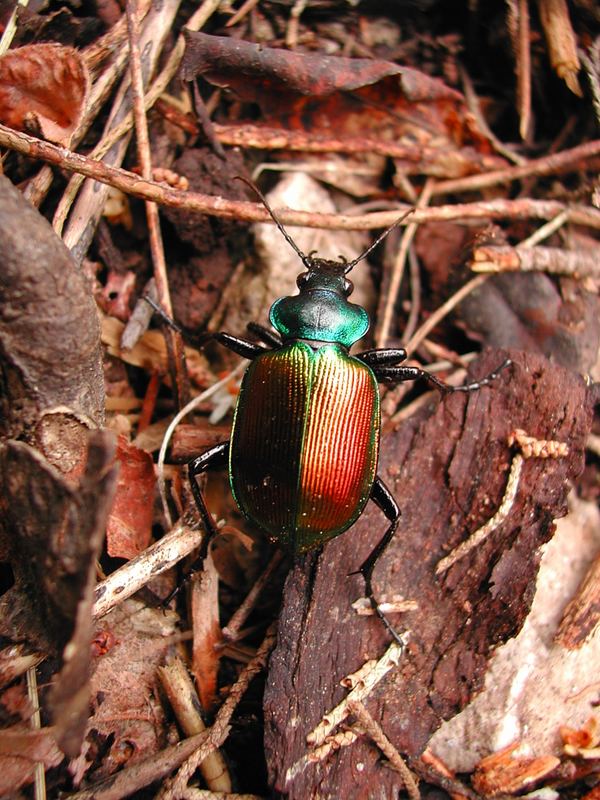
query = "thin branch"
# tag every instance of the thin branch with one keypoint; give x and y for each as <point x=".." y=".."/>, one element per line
<point x="574" y="158"/>
<point x="252" y="212"/>
<point x="398" y="270"/>
<point x="173" y="338"/>
<point x="373" y="729"/>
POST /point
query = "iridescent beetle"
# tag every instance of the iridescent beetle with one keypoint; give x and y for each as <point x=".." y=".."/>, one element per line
<point x="303" y="450"/>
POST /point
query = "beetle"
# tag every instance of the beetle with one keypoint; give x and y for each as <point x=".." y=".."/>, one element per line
<point x="302" y="457"/>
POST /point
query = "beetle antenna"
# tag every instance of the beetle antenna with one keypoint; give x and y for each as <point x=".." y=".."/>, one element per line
<point x="377" y="241"/>
<point x="304" y="258"/>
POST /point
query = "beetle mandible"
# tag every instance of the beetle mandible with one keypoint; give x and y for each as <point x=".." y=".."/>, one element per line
<point x="303" y="452"/>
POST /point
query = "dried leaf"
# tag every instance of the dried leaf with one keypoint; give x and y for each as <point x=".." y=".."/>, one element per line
<point x="43" y="90"/>
<point x="20" y="750"/>
<point x="231" y="62"/>
<point x="130" y="522"/>
<point x="365" y="99"/>
<point x="127" y="720"/>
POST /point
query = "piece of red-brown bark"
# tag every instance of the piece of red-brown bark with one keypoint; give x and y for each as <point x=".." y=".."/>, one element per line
<point x="447" y="467"/>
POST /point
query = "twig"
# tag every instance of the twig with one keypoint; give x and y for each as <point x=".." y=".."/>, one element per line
<point x="195" y="22"/>
<point x="36" y="724"/>
<point x="539" y="166"/>
<point x="443" y="310"/>
<point x="415" y="296"/>
<point x="398" y="270"/>
<point x="591" y="62"/>
<point x="431" y="761"/>
<point x="188" y="408"/>
<point x="519" y="30"/>
<point x="181" y="693"/>
<point x="205" y="794"/>
<point x="553" y="260"/>
<point x="253" y="212"/>
<point x="11" y="26"/>
<point x="361" y="683"/>
<point x="242" y="12"/>
<point x="173" y="338"/>
<point x="372" y="728"/>
<point x="475" y="108"/>
<point x="220" y="729"/>
<point x="132" y="576"/>
<point x="232" y="629"/>
<point x="561" y="41"/>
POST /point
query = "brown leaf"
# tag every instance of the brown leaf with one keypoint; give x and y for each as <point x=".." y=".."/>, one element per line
<point x="130" y="522"/>
<point x="358" y="98"/>
<point x="20" y="750"/>
<point x="127" y="722"/>
<point x="43" y="90"/>
<point x="231" y="62"/>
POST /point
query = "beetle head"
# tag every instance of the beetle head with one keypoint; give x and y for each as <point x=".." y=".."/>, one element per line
<point x="321" y="312"/>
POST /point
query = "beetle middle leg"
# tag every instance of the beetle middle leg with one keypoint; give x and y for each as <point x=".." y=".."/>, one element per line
<point x="215" y="458"/>
<point x="384" y="365"/>
<point x="383" y="498"/>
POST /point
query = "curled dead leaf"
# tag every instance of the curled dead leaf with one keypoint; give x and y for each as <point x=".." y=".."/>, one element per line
<point x="43" y="90"/>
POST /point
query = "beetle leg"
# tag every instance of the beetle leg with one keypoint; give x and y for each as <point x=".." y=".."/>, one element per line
<point x="398" y="374"/>
<point x="265" y="335"/>
<point x="242" y="347"/>
<point x="387" y="356"/>
<point x="383" y="498"/>
<point x="214" y="458"/>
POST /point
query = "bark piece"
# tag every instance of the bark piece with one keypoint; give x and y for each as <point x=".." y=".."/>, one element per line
<point x="49" y="331"/>
<point x="448" y="470"/>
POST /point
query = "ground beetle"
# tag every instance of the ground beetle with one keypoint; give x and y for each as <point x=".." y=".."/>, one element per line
<point x="304" y="444"/>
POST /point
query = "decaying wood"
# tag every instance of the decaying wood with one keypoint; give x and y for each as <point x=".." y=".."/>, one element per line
<point x="581" y="616"/>
<point x="508" y="772"/>
<point x="448" y="469"/>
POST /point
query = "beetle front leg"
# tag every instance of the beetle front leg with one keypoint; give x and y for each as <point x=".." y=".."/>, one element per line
<point x="238" y="345"/>
<point x="266" y="335"/>
<point x="383" y="498"/>
<point x="387" y="374"/>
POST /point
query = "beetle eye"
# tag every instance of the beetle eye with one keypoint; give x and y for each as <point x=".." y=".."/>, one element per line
<point x="348" y="287"/>
<point x="302" y="280"/>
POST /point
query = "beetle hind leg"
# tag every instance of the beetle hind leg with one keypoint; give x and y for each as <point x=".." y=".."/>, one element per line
<point x="384" y="499"/>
